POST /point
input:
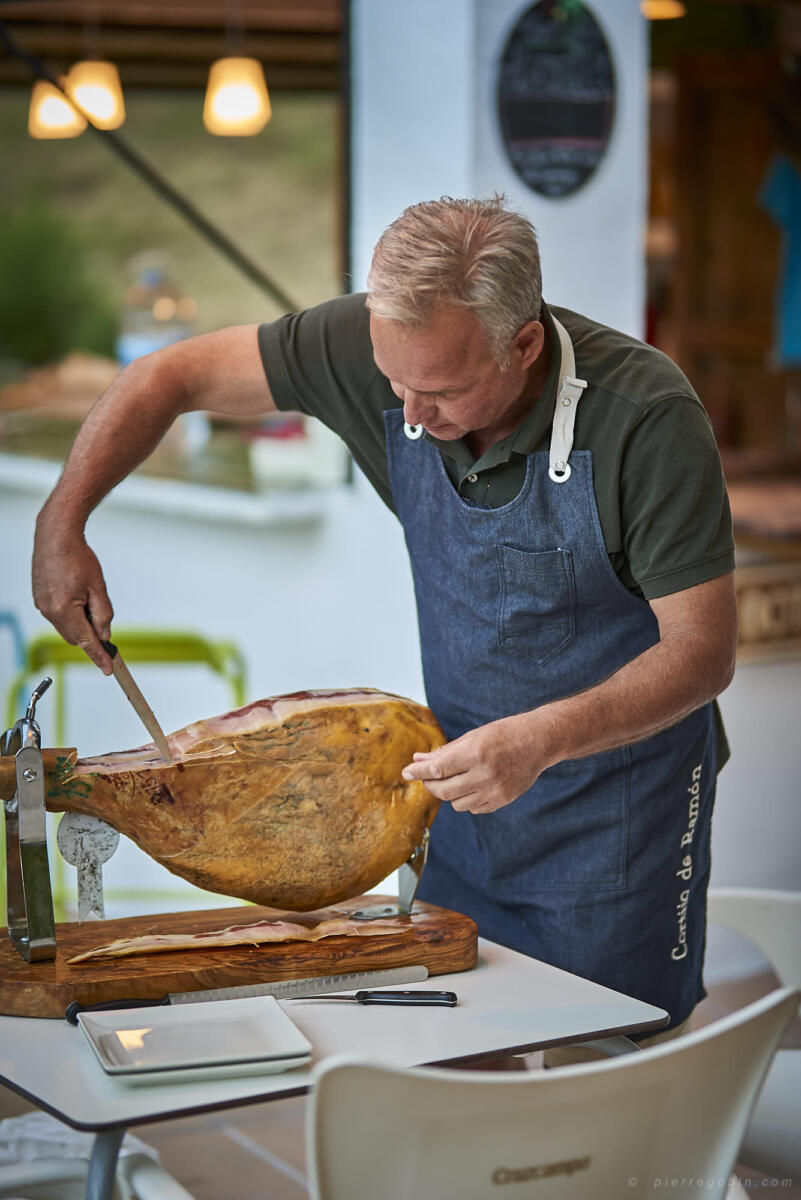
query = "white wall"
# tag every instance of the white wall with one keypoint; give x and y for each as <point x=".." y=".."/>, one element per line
<point x="413" y="111"/>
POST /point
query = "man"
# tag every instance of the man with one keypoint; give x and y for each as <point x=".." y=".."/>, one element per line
<point x="569" y="534"/>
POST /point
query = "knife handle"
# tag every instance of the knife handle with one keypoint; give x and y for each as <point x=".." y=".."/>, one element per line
<point x="72" y="1010"/>
<point x="446" y="999"/>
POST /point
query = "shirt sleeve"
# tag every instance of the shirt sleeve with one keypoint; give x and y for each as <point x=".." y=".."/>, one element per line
<point x="675" y="516"/>
<point x="320" y="361"/>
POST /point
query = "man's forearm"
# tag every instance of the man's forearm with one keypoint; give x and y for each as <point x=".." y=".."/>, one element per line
<point x="123" y="428"/>
<point x="650" y="693"/>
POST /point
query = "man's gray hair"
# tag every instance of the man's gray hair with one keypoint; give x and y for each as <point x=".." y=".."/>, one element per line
<point x="473" y="253"/>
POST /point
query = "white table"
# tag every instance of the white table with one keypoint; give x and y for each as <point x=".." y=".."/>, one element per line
<point x="508" y="1003"/>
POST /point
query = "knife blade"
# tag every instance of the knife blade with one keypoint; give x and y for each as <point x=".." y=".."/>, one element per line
<point x="282" y="989"/>
<point x="140" y="706"/>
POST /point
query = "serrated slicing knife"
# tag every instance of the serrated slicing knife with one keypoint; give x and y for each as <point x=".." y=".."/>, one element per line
<point x="140" y="706"/>
<point x="284" y="989"/>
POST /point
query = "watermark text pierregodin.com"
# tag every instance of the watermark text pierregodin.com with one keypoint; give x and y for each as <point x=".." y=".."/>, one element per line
<point x="702" y="1183"/>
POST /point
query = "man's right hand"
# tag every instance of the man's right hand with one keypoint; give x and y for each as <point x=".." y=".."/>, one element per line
<point x="69" y="590"/>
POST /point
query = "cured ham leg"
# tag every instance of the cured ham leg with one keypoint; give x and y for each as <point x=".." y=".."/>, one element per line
<point x="240" y="935"/>
<point x="295" y="802"/>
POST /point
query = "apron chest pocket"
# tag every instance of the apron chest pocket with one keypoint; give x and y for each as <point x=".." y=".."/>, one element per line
<point x="537" y="607"/>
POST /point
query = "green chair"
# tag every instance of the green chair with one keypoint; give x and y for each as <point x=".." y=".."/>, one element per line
<point x="48" y="653"/>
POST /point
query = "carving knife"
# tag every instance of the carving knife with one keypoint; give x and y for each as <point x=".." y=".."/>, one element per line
<point x="283" y="989"/>
<point x="140" y="706"/>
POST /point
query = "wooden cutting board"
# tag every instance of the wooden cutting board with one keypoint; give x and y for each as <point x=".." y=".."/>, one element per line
<point x="441" y="940"/>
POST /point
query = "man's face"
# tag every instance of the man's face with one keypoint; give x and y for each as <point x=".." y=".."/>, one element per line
<point x="446" y="377"/>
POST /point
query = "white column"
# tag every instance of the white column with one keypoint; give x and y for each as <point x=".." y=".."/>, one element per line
<point x="425" y="124"/>
<point x="591" y="242"/>
<point x="412" y="127"/>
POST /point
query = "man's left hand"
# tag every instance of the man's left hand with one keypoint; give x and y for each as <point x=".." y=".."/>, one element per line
<point x="482" y="770"/>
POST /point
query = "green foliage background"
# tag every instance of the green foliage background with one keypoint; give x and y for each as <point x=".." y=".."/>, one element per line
<point x="72" y="215"/>
<point x="50" y="301"/>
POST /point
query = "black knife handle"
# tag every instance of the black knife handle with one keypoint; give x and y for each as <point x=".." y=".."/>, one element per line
<point x="446" y="999"/>
<point x="109" y="647"/>
<point x="72" y="1010"/>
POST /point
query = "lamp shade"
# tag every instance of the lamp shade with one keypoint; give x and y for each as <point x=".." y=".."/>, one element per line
<point x="237" y="103"/>
<point x="95" y="87"/>
<point x="51" y="115"/>
<point x="662" y="10"/>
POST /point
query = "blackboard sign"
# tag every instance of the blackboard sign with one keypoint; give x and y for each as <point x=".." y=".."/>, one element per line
<point x="556" y="96"/>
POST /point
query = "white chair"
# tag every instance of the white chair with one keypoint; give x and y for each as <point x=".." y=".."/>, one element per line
<point x="608" y="1130"/>
<point x="772" y="921"/>
<point x="138" y="1178"/>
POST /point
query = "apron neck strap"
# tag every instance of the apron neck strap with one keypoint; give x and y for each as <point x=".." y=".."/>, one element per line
<point x="564" y="417"/>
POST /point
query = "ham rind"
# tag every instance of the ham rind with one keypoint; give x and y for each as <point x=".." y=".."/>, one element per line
<point x="294" y="802"/>
<point x="256" y="934"/>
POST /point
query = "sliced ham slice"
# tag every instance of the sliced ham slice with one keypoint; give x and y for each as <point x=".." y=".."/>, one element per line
<point x="242" y="935"/>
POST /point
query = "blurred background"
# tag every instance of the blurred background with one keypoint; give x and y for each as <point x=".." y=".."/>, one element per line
<point x="663" y="181"/>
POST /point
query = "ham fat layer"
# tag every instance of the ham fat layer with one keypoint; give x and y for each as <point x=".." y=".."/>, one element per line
<point x="242" y="935"/>
<point x="209" y="738"/>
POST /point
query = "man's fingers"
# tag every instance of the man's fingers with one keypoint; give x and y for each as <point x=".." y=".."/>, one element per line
<point x="86" y="637"/>
<point x="438" y="764"/>
<point x="421" y="770"/>
<point x="93" y="650"/>
<point x="101" y="613"/>
<point x="450" y="790"/>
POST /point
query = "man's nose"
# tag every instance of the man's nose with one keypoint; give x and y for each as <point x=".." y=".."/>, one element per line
<point x="413" y="408"/>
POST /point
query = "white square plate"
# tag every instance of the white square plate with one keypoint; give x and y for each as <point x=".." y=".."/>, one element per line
<point x="205" y="1040"/>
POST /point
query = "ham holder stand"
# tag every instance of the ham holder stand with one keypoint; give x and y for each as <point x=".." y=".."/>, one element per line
<point x="86" y="843"/>
<point x="31" y="921"/>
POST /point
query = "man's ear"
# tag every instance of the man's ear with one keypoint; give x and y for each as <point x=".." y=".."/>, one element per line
<point x="529" y="342"/>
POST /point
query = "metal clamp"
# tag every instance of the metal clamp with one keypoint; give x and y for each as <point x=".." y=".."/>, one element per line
<point x="409" y="874"/>
<point x="31" y="919"/>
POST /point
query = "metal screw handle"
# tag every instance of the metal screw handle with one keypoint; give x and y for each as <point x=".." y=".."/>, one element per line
<point x="38" y="692"/>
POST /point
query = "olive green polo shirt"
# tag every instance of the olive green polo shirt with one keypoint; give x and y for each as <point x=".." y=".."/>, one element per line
<point x="658" y="482"/>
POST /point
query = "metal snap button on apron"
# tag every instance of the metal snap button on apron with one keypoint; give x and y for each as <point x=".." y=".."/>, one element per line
<point x="472" y="478"/>
<point x="413" y="432"/>
<point x="560" y="472"/>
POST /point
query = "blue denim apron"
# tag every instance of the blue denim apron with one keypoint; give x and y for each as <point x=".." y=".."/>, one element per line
<point x="601" y="867"/>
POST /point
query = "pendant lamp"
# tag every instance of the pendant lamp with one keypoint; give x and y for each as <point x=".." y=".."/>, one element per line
<point x="95" y="87"/>
<point x="51" y="115"/>
<point x="662" y="10"/>
<point x="237" y="103"/>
